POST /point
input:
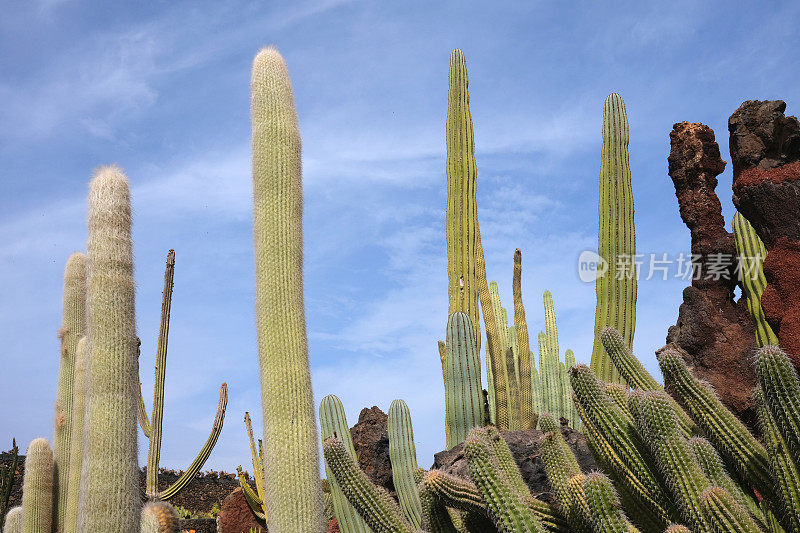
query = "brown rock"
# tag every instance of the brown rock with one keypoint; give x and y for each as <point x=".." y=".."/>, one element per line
<point x="715" y="331"/>
<point x="333" y="527"/>
<point x="235" y="516"/>
<point x="765" y="149"/>
<point x="371" y="442"/>
<point x="525" y="447"/>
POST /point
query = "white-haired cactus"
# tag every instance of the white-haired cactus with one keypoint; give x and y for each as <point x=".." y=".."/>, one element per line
<point x="13" y="522"/>
<point x="292" y="489"/>
<point x="110" y="499"/>
<point x="76" y="446"/>
<point x="37" y="488"/>
<point x="159" y="517"/>
<point x="72" y="329"/>
<point x="462" y="383"/>
<point x="616" y="288"/>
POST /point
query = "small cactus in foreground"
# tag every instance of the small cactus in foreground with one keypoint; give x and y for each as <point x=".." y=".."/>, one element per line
<point x="159" y="517"/>
<point x="13" y="521"/>
<point x="37" y="488"/>
<point x="403" y="456"/>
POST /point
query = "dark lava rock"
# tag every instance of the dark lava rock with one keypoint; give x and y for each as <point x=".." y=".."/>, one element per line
<point x="715" y="332"/>
<point x="371" y="442"/>
<point x="199" y="525"/>
<point x="765" y="149"/>
<point x="525" y="446"/>
<point x="235" y="516"/>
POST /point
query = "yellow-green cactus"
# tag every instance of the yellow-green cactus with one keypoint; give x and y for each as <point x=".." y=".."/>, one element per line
<point x="37" y="488"/>
<point x="76" y="446"/>
<point x="110" y="499"/>
<point x="72" y="329"/>
<point x="292" y="487"/>
<point x="527" y="416"/>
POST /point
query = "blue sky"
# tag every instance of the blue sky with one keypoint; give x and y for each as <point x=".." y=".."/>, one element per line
<point x="162" y="89"/>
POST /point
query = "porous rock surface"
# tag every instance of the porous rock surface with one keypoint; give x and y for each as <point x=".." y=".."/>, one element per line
<point x="765" y="150"/>
<point x="235" y="515"/>
<point x="371" y="443"/>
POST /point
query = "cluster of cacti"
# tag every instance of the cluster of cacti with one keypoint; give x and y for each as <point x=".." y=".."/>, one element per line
<point x="151" y="426"/>
<point x="255" y="499"/>
<point x="616" y="286"/>
<point x="292" y="489"/>
<point x="752" y="253"/>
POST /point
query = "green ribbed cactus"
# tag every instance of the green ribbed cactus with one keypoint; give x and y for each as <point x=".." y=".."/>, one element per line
<point x="461" y="217"/>
<point x="560" y="465"/>
<point x="13" y="522"/>
<point x="506" y="505"/>
<point x="616" y="289"/>
<point x="462" y="383"/>
<point x="110" y="498"/>
<point x="780" y="386"/>
<point x="403" y="456"/>
<point x="527" y="416"/>
<point x="548" y="365"/>
<point x="501" y="327"/>
<point x="724" y="514"/>
<point x="155" y="424"/>
<point x="76" y="435"/>
<point x="37" y="488"/>
<point x="752" y="253"/>
<point x="159" y="517"/>
<point x="72" y="329"/>
<point x="374" y="504"/>
<point x="677" y="528"/>
<point x="513" y="389"/>
<point x="605" y="510"/>
<point x="785" y="469"/>
<point x="726" y="432"/>
<point x="255" y="499"/>
<point x="435" y="516"/>
<point x="333" y="423"/>
<point x="660" y="429"/>
<point x="291" y="456"/>
<point x="536" y="392"/>
<point x="570" y="412"/>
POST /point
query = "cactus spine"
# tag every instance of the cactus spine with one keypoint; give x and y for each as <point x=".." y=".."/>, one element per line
<point x="333" y="423"/>
<point x="462" y="207"/>
<point x="72" y="329"/>
<point x="76" y="446"/>
<point x="110" y="499"/>
<point x="781" y="390"/>
<point x="13" y="522"/>
<point x="403" y="456"/>
<point x="751" y="273"/>
<point x="616" y="289"/>
<point x="725" y="514"/>
<point x="159" y="517"/>
<point x="37" y="488"/>
<point x="291" y="457"/>
<point x="527" y="416"/>
<point x="605" y="511"/>
<point x="463" y="396"/>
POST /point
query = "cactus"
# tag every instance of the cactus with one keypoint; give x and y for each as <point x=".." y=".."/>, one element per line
<point x="159" y="517"/>
<point x="659" y="428"/>
<point x="37" y="488"/>
<point x="76" y="446"/>
<point x="435" y="515"/>
<point x="375" y="505"/>
<point x="527" y="416"/>
<point x="462" y="206"/>
<point x="560" y="466"/>
<point x="724" y="514"/>
<point x="109" y="498"/>
<point x="292" y="490"/>
<point x="7" y="476"/>
<point x="463" y="396"/>
<point x="751" y="274"/>
<point x="605" y="511"/>
<point x="254" y="499"/>
<point x="786" y="471"/>
<point x="72" y="329"/>
<point x="154" y="425"/>
<point x="780" y="386"/>
<point x="501" y="327"/>
<point x="333" y="423"/>
<point x="728" y="435"/>
<point x="570" y="412"/>
<point x="616" y="289"/>
<point x="13" y="521"/>
<point x="403" y="456"/>
<point x="513" y="389"/>
<point x="548" y="365"/>
<point x="536" y="386"/>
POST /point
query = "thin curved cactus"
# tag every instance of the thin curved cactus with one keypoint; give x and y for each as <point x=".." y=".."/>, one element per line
<point x="527" y="415"/>
<point x="254" y="498"/>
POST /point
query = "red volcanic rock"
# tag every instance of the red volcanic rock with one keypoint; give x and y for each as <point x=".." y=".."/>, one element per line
<point x="371" y="443"/>
<point x="715" y="332"/>
<point x="765" y="150"/>
<point x="235" y="516"/>
<point x="333" y="527"/>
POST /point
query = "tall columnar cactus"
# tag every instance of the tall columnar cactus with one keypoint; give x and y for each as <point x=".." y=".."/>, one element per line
<point x="527" y="416"/>
<point x="76" y="446"/>
<point x="159" y="517"/>
<point x="37" y="488"/>
<point x="502" y="330"/>
<point x="548" y="361"/>
<point x="110" y="498"/>
<point x="751" y="273"/>
<point x="571" y="413"/>
<point x="154" y="425"/>
<point x="291" y="456"/>
<point x="13" y="521"/>
<point x="616" y="288"/>
<point x="462" y="206"/>
<point x="72" y="329"/>
<point x="403" y="456"/>
<point x="462" y="384"/>
<point x="333" y="423"/>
